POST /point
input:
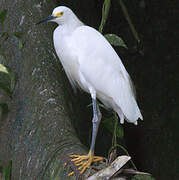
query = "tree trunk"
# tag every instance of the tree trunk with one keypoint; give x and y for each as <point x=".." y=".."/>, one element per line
<point x="38" y="134"/>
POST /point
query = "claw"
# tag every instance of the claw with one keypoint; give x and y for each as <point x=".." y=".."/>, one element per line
<point x="84" y="161"/>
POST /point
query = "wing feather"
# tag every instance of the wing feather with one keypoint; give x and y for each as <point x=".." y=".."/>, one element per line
<point x="103" y="69"/>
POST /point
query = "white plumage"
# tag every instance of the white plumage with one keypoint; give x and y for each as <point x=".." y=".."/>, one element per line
<point x="91" y="63"/>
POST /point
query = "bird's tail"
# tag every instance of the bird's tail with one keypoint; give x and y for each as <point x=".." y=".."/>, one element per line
<point x="131" y="111"/>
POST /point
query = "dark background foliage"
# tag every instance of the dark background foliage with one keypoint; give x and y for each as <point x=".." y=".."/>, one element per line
<point x="154" y="69"/>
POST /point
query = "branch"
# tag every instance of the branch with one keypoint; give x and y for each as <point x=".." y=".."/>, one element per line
<point x="108" y="172"/>
<point x="126" y="14"/>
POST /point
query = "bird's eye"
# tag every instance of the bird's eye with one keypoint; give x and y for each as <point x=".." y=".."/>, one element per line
<point x="59" y="14"/>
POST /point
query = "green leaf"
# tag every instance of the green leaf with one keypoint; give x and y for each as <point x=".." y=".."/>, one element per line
<point x="2" y="59"/>
<point x="4" y="110"/>
<point x="109" y="124"/>
<point x="105" y="11"/>
<point x="142" y="177"/>
<point x="18" y="34"/>
<point x="7" y="79"/>
<point x="120" y="131"/>
<point x="7" y="172"/>
<point x="5" y="35"/>
<point x="3" y="69"/>
<point x="115" y="40"/>
<point x="3" y="16"/>
<point x="20" y="45"/>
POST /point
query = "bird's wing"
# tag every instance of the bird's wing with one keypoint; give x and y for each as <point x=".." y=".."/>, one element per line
<point x="103" y="69"/>
<point x="66" y="52"/>
<point x="93" y="48"/>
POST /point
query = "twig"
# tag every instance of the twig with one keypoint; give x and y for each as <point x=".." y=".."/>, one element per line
<point x="126" y="14"/>
<point x="110" y="170"/>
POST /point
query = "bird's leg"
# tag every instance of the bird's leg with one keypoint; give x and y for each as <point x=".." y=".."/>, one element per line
<point x="96" y="121"/>
<point x="85" y="161"/>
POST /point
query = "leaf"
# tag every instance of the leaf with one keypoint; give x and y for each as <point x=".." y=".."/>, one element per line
<point x="2" y="59"/>
<point x="18" y="34"/>
<point x="3" y="69"/>
<point x="4" y="110"/>
<point x="109" y="124"/>
<point x="20" y="45"/>
<point x="7" y="79"/>
<point x="142" y="177"/>
<point x="105" y="11"/>
<point x="7" y="172"/>
<point x="115" y="40"/>
<point x="133" y="171"/>
<point x="120" y="131"/>
<point x="3" y="16"/>
<point x="5" y="35"/>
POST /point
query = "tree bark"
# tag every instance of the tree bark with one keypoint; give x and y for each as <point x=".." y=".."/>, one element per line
<point x="38" y="134"/>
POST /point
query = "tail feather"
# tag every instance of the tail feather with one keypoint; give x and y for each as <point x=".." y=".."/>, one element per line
<point x="130" y="110"/>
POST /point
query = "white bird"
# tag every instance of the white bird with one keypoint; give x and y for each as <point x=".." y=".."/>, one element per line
<point x="92" y="64"/>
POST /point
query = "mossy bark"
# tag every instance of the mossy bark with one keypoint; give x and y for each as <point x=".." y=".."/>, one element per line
<point x="38" y="134"/>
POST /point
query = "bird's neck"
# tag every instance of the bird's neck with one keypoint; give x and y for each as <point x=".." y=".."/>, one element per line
<point x="72" y="23"/>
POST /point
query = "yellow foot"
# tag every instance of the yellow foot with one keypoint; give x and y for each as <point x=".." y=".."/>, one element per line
<point x="83" y="162"/>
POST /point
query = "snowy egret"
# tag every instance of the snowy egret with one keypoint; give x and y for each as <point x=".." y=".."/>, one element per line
<point x="91" y="64"/>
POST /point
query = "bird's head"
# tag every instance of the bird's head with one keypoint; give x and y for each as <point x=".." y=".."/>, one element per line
<point x="60" y="15"/>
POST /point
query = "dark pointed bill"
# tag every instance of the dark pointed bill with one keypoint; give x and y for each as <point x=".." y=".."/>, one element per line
<point x="46" y="19"/>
